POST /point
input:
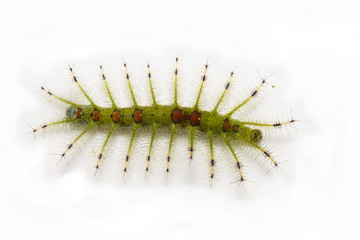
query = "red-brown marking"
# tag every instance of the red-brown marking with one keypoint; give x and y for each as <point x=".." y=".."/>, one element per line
<point x="95" y="115"/>
<point x="116" y="116"/>
<point x="226" y="125"/>
<point x="195" y="118"/>
<point x="235" y="128"/>
<point x="78" y="113"/>
<point x="177" y="115"/>
<point x="137" y="116"/>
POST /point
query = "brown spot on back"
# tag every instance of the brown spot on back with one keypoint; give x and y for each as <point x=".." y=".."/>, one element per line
<point x="195" y="118"/>
<point x="177" y="115"/>
<point x="235" y="128"/>
<point x="78" y="113"/>
<point x="95" y="115"/>
<point x="116" y="116"/>
<point x="137" y="116"/>
<point x="226" y="125"/>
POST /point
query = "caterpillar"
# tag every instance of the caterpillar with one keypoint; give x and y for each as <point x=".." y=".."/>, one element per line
<point x="171" y="117"/>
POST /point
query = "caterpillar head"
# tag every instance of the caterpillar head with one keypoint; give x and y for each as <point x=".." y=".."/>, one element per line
<point x="73" y="112"/>
<point x="70" y="112"/>
<point x="255" y="135"/>
<point x="250" y="135"/>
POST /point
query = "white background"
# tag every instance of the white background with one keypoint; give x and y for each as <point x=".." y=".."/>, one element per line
<point x="312" y="45"/>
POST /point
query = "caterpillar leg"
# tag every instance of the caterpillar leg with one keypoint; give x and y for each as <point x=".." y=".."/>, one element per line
<point x="202" y="85"/>
<point x="176" y="80"/>
<point x="173" y="126"/>
<point x="82" y="89"/>
<point x="276" y="124"/>
<point x="59" y="98"/>
<point x="45" y="126"/>
<point x="151" y="87"/>
<point x="253" y="95"/>
<point x="135" y="127"/>
<point x="131" y="90"/>
<point x="212" y="161"/>
<point x="191" y="149"/>
<point x="238" y="164"/>
<point x="77" y="139"/>
<point x="150" y="148"/>
<point x="107" y="87"/>
<point x="267" y="155"/>
<point x="103" y="148"/>
<point x="224" y="92"/>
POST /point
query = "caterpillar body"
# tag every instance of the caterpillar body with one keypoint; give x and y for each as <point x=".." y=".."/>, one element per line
<point x="172" y="116"/>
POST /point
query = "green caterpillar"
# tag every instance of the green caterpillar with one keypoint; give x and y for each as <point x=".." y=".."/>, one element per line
<point x="172" y="116"/>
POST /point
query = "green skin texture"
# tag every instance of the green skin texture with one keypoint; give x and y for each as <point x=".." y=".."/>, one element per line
<point x="160" y="115"/>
